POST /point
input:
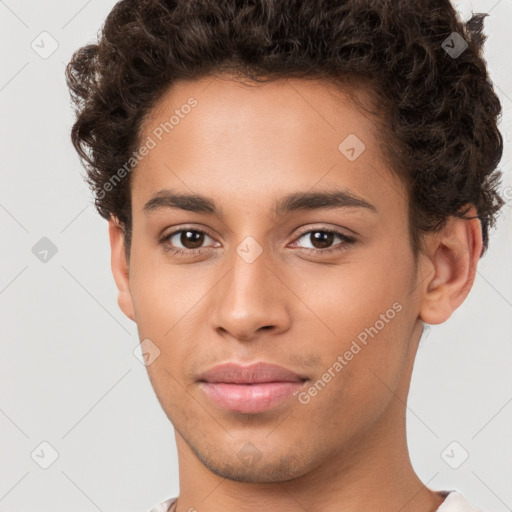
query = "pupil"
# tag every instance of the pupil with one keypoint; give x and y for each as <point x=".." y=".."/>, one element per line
<point x="196" y="239"/>
<point x="325" y="239"/>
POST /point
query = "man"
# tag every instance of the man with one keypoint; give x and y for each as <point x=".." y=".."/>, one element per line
<point x="293" y="189"/>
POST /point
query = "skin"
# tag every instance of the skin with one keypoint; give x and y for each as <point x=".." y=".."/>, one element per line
<point x="245" y="146"/>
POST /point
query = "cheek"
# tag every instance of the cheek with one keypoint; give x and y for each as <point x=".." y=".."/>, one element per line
<point x="361" y="312"/>
<point x="346" y="298"/>
<point x="164" y="294"/>
<point x="362" y="367"/>
<point x="168" y="302"/>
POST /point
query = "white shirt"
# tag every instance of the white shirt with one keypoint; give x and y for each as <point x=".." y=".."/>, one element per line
<point x="454" y="502"/>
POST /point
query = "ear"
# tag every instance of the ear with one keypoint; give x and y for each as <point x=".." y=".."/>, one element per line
<point x="120" y="268"/>
<point x="453" y="255"/>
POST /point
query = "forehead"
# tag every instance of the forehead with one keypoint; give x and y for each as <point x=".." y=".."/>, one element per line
<point x="219" y="137"/>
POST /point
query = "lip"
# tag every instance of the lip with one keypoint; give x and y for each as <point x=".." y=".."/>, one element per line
<point x="255" y="373"/>
<point x="250" y="389"/>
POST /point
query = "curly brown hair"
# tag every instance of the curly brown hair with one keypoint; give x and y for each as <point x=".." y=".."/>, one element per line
<point x="439" y="110"/>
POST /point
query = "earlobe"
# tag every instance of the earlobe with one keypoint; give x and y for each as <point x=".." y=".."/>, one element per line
<point x="120" y="268"/>
<point x="455" y="252"/>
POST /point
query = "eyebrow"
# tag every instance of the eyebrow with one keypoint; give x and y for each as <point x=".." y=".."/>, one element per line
<point x="296" y="201"/>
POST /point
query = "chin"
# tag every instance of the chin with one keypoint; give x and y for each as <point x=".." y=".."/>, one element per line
<point x="271" y="468"/>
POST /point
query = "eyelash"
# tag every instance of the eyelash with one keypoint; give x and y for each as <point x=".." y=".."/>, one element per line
<point x="346" y="241"/>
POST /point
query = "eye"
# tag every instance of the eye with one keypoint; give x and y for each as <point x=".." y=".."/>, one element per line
<point x="323" y="238"/>
<point x="191" y="241"/>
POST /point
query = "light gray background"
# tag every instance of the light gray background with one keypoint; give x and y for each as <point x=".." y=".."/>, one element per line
<point x="68" y="373"/>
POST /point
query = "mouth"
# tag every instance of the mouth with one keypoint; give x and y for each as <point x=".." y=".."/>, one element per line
<point x="250" y="398"/>
<point x="250" y="389"/>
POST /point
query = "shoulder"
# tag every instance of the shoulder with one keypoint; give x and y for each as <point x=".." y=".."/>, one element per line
<point x="165" y="506"/>
<point x="455" y="502"/>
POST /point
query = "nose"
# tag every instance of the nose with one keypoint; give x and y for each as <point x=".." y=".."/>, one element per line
<point x="251" y="300"/>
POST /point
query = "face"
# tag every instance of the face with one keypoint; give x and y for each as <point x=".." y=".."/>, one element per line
<point x="326" y="289"/>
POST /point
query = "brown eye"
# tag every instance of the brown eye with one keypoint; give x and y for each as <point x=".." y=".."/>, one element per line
<point x="323" y="241"/>
<point x="184" y="241"/>
<point x="191" y="239"/>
